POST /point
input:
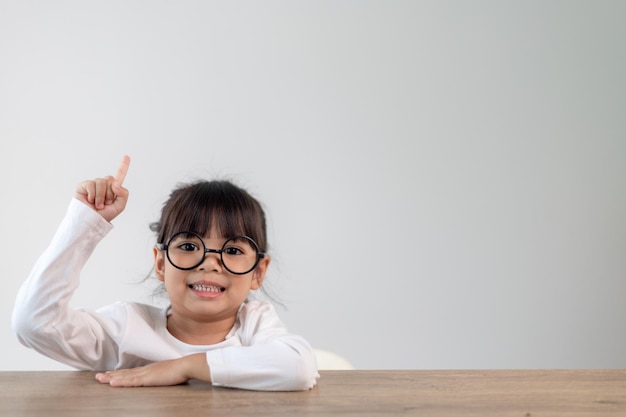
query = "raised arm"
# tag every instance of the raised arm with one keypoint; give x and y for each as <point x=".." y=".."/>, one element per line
<point x="42" y="317"/>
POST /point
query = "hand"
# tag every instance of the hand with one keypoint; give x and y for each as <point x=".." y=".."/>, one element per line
<point x="106" y="195"/>
<point x="164" y="373"/>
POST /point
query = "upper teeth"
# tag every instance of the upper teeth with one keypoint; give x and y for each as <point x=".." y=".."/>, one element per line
<point x="211" y="288"/>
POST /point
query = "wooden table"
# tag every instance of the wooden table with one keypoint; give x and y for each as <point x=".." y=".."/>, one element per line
<point x="519" y="393"/>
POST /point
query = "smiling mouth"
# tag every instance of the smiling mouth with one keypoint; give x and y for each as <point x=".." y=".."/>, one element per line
<point x="206" y="288"/>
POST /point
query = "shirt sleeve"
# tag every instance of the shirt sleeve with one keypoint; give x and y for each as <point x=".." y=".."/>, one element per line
<point x="42" y="318"/>
<point x="269" y="359"/>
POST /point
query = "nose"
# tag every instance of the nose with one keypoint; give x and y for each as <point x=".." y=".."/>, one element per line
<point x="212" y="261"/>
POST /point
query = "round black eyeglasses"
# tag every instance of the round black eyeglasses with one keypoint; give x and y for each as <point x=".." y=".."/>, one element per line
<point x="186" y="250"/>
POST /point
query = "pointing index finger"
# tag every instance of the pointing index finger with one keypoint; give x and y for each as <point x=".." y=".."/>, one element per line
<point x="122" y="170"/>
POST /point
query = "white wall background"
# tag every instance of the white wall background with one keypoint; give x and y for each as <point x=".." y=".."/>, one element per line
<point x="445" y="180"/>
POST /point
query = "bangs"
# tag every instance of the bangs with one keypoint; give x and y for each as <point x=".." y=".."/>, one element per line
<point x="217" y="205"/>
<point x="203" y="216"/>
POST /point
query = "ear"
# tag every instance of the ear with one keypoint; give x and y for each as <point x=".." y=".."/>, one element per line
<point x="259" y="273"/>
<point x="159" y="264"/>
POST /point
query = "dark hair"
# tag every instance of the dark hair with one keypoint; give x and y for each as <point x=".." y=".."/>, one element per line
<point x="202" y="205"/>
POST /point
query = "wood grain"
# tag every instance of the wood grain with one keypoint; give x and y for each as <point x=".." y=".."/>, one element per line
<point x="519" y="393"/>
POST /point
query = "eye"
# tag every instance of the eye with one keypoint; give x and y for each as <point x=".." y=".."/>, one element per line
<point x="232" y="250"/>
<point x="187" y="246"/>
<point x="240" y="245"/>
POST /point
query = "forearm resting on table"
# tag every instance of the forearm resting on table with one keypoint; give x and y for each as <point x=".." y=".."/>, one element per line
<point x="170" y="372"/>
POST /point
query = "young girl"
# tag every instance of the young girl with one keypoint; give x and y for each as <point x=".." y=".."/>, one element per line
<point x="210" y="252"/>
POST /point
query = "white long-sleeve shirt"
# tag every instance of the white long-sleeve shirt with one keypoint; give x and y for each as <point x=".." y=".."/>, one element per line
<point x="258" y="353"/>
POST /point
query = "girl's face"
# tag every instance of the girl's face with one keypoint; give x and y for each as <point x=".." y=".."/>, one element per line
<point x="209" y="292"/>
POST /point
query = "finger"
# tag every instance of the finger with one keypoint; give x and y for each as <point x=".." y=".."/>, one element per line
<point x="103" y="377"/>
<point x="109" y="198"/>
<point x="127" y="378"/>
<point x="87" y="189"/>
<point x="102" y="186"/>
<point x="120" y="197"/>
<point x="108" y="376"/>
<point x="120" y="175"/>
<point x="110" y="195"/>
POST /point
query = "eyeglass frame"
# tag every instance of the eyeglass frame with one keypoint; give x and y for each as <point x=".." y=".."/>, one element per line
<point x="259" y="255"/>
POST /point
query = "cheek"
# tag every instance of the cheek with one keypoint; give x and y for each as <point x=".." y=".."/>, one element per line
<point x="172" y="277"/>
